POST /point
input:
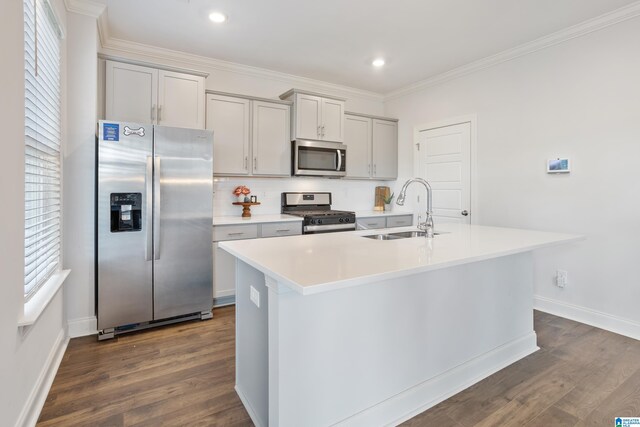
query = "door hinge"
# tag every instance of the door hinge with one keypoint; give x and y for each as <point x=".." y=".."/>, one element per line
<point x="418" y="146"/>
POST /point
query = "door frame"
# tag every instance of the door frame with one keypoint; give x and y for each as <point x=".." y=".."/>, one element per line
<point x="472" y="119"/>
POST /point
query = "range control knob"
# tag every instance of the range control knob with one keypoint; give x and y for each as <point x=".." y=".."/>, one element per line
<point x="346" y="220"/>
<point x="319" y="221"/>
<point x="341" y="220"/>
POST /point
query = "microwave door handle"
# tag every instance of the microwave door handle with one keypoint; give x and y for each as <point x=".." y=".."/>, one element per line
<point x="339" y="161"/>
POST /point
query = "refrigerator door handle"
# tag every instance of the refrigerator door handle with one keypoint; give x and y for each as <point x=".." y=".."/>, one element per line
<point x="148" y="180"/>
<point x="156" y="209"/>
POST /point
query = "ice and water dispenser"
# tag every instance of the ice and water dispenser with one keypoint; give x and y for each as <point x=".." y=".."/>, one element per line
<point x="126" y="212"/>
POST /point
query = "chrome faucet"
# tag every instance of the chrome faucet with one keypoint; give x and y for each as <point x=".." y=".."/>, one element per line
<point x="427" y="225"/>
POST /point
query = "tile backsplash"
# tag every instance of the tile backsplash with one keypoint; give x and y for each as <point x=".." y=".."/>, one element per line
<point x="355" y="195"/>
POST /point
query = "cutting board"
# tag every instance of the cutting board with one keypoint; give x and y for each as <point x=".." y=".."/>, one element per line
<point x="382" y="193"/>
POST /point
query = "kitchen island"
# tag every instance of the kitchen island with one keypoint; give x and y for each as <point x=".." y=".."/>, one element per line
<point x="339" y="329"/>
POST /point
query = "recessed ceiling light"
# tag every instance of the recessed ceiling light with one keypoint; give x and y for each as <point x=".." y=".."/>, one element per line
<point x="217" y="17"/>
<point x="379" y="62"/>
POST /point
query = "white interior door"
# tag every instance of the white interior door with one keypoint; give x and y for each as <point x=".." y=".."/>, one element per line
<point x="445" y="161"/>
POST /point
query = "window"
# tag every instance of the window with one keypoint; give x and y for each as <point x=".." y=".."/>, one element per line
<point x="42" y="144"/>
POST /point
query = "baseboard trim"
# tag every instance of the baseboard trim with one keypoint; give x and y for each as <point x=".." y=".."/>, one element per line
<point x="225" y="300"/>
<point x="616" y="324"/>
<point x="35" y="402"/>
<point x="82" y="327"/>
<point x="425" y="395"/>
<point x="247" y="406"/>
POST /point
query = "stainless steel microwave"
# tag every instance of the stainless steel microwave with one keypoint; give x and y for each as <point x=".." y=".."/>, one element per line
<point x="315" y="158"/>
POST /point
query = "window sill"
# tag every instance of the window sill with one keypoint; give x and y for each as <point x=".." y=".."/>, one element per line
<point x="39" y="302"/>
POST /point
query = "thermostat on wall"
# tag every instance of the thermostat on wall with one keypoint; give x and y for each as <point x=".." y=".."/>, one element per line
<point x="558" y="166"/>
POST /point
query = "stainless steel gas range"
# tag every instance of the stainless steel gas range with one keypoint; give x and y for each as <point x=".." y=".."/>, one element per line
<point x="315" y="209"/>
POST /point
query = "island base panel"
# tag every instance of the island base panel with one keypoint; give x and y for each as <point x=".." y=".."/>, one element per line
<point x="379" y="353"/>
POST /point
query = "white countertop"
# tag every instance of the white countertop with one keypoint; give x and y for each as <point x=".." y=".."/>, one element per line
<point x="254" y="219"/>
<point x="322" y="262"/>
<point x="369" y="214"/>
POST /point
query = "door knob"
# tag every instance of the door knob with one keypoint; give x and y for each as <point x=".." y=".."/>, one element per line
<point x="464" y="212"/>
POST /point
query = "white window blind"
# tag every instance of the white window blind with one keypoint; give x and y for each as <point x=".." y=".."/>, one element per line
<point x="42" y="144"/>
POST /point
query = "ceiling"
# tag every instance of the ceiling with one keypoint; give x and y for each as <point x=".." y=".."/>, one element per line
<point x="336" y="40"/>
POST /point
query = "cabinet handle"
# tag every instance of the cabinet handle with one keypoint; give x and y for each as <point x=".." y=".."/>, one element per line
<point x="369" y="169"/>
<point x="153" y="112"/>
<point x="236" y="234"/>
<point x="283" y="231"/>
<point x="375" y="172"/>
<point x="255" y="163"/>
<point x="245" y="162"/>
<point x="319" y="134"/>
<point x="323" y="131"/>
<point x="159" y="113"/>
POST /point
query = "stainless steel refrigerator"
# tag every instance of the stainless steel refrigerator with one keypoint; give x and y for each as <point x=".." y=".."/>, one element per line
<point x="153" y="226"/>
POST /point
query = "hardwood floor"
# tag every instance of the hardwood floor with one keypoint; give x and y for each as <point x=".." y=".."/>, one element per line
<point x="183" y="375"/>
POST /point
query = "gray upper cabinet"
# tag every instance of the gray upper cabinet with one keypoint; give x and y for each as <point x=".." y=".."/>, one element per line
<point x="230" y="120"/>
<point x="372" y="147"/>
<point x="250" y="136"/>
<point x="271" y="139"/>
<point x="357" y="138"/>
<point x="316" y="116"/>
<point x="144" y="94"/>
<point x="384" y="137"/>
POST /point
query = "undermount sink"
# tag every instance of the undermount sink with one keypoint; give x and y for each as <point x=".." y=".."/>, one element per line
<point x="382" y="237"/>
<point x="399" y="235"/>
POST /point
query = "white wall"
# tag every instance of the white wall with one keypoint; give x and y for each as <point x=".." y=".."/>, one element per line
<point x="79" y="174"/>
<point x="24" y="356"/>
<point x="579" y="99"/>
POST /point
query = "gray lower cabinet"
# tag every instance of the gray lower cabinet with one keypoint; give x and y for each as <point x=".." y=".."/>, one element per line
<point x="369" y="223"/>
<point x="224" y="266"/>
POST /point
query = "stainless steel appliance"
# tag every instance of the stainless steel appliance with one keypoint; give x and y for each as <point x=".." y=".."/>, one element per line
<point x="314" y="158"/>
<point x="315" y="209"/>
<point x="153" y="226"/>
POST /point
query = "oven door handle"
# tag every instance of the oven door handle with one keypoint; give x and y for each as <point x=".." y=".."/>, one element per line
<point x="339" y="161"/>
<point x="350" y="226"/>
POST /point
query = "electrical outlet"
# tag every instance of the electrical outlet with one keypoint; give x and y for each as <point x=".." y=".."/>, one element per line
<point x="254" y="296"/>
<point x="561" y="278"/>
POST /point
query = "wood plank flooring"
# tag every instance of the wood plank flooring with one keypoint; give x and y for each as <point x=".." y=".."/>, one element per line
<point x="183" y="375"/>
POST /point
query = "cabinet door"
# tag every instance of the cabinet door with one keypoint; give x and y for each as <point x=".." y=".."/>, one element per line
<point x="357" y="138"/>
<point x="399" y="221"/>
<point x="370" y="223"/>
<point x="385" y="149"/>
<point x="130" y="93"/>
<point x="308" y="116"/>
<point x="271" y="139"/>
<point x="332" y="120"/>
<point x="224" y="273"/>
<point x="229" y="119"/>
<point x="180" y="100"/>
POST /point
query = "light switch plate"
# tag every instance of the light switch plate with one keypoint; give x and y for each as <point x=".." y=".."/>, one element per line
<point x="254" y="296"/>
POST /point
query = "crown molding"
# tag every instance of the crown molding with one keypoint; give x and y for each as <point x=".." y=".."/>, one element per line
<point x="114" y="47"/>
<point x="103" y="27"/>
<point x="85" y="7"/>
<point x="603" y="21"/>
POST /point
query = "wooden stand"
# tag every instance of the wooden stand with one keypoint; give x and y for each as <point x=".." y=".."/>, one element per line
<point x="246" y="208"/>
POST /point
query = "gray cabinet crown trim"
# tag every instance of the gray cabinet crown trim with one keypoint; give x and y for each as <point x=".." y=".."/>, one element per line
<point x="369" y="116"/>
<point x="249" y="97"/>
<point x="151" y="65"/>
<point x="290" y="92"/>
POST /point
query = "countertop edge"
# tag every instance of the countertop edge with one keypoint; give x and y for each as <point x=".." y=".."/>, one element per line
<point x="254" y="219"/>
<point x="341" y="284"/>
